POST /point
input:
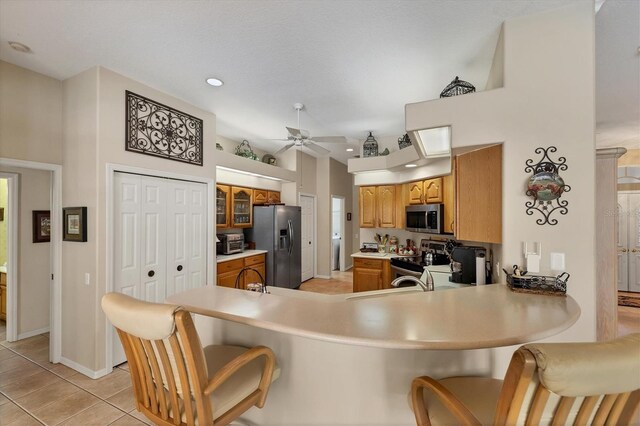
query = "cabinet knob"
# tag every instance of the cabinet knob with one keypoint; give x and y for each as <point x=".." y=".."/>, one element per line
<point x="151" y="273"/>
<point x="179" y="268"/>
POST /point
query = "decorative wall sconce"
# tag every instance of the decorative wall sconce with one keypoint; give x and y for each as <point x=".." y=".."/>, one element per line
<point x="546" y="186"/>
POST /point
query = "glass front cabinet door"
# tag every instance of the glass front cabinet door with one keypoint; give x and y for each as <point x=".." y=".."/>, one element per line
<point x="241" y="207"/>
<point x="223" y="195"/>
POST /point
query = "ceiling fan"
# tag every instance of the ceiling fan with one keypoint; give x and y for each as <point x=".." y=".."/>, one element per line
<point x="300" y="137"/>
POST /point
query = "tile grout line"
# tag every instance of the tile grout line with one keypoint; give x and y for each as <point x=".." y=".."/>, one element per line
<point x="124" y="413"/>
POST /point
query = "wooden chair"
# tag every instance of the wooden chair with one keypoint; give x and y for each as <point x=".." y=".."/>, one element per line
<point x="552" y="383"/>
<point x="175" y="381"/>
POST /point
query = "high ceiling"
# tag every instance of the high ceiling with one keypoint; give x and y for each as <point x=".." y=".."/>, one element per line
<point x="354" y="64"/>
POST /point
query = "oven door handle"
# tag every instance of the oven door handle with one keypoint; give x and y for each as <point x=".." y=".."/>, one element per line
<point x="403" y="271"/>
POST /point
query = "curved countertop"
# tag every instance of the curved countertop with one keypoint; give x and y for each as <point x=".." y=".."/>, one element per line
<point x="466" y="318"/>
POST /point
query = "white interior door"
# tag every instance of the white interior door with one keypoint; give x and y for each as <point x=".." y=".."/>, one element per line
<point x="633" y="242"/>
<point x="153" y="247"/>
<point x="308" y="246"/>
<point x="623" y="271"/>
<point x="186" y="232"/>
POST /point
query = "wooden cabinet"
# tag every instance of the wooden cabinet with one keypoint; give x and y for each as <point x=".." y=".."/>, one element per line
<point x="448" y="199"/>
<point x="3" y="296"/>
<point x="273" y="197"/>
<point x="228" y="271"/>
<point x="260" y="197"/>
<point x="241" y="207"/>
<point x="415" y="192"/>
<point x="425" y="192"/>
<point x="381" y="206"/>
<point x="223" y="197"/>
<point x="433" y="191"/>
<point x="478" y="191"/>
<point x="371" y="274"/>
<point x="367" y="203"/>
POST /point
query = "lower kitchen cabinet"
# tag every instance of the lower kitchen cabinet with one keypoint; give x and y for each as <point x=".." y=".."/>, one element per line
<point x="228" y="271"/>
<point x="371" y="274"/>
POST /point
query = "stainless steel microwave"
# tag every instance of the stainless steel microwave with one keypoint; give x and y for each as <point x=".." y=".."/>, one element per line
<point x="428" y="218"/>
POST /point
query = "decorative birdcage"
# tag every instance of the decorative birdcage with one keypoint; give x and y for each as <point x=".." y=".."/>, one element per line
<point x="370" y="147"/>
<point x="457" y="87"/>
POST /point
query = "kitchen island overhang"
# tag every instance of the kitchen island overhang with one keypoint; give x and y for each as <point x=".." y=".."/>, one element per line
<point x="467" y="318"/>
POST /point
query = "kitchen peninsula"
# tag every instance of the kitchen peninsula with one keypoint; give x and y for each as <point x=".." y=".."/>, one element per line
<point x="342" y="352"/>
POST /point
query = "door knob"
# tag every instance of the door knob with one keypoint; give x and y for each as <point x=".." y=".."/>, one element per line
<point x="179" y="268"/>
<point x="634" y="251"/>
<point x="151" y="273"/>
<point x="624" y="250"/>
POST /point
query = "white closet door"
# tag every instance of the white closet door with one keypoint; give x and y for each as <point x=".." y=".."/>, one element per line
<point x="186" y="236"/>
<point x="126" y="239"/>
<point x="153" y="245"/>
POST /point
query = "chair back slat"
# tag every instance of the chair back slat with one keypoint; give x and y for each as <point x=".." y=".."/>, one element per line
<point x="604" y="409"/>
<point x="147" y="379"/>
<point x="183" y="377"/>
<point x="630" y="411"/>
<point x="562" y="410"/>
<point x="170" y="379"/>
<point x="136" y="365"/>
<point x="618" y="406"/>
<point x="158" y="386"/>
<point x="133" y="368"/>
<point x="194" y="357"/>
<point x="538" y="405"/>
<point x="516" y="385"/>
<point x="586" y="410"/>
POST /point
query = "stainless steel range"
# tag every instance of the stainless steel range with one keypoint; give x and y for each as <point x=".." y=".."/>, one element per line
<point x="431" y="253"/>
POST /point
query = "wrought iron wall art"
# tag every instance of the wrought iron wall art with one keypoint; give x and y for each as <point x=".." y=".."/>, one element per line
<point x="158" y="130"/>
<point x="546" y="186"/>
<point x="457" y="87"/>
<point x="404" y="141"/>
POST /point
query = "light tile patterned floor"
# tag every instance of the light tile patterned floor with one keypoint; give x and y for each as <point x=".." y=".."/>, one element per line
<point x="35" y="392"/>
<point x="340" y="283"/>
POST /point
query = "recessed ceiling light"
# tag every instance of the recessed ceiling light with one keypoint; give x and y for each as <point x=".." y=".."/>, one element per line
<point x="349" y="149"/>
<point x="22" y="48"/>
<point x="409" y="166"/>
<point x="215" y="82"/>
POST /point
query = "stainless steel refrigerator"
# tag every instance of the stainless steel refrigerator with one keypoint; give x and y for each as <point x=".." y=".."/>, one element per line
<point x="277" y="230"/>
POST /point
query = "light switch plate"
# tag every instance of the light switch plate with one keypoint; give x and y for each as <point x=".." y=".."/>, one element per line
<point x="556" y="261"/>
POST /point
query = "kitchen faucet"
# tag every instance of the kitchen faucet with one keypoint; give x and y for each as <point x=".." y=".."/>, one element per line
<point x="426" y="285"/>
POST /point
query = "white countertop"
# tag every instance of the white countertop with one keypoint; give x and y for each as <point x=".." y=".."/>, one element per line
<point x="386" y="256"/>
<point x="226" y="257"/>
<point x="467" y="318"/>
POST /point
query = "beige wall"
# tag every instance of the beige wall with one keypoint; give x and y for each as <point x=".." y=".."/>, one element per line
<point x="30" y="115"/>
<point x="631" y="158"/>
<point x="34" y="187"/>
<point x="97" y="96"/>
<point x="4" y="200"/>
<point x="547" y="99"/>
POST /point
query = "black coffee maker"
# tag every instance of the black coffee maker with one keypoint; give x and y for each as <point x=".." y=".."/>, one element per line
<point x="463" y="264"/>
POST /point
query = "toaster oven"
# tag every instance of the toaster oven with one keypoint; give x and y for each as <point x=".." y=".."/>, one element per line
<point x="231" y="243"/>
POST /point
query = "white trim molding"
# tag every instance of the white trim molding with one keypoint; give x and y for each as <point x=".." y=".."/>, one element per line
<point x="13" y="201"/>
<point x="315" y="229"/>
<point x="32" y="333"/>
<point x="55" y="322"/>
<point x="84" y="370"/>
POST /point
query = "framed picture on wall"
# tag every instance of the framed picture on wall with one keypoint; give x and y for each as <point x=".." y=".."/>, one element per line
<point x="41" y="226"/>
<point x="74" y="221"/>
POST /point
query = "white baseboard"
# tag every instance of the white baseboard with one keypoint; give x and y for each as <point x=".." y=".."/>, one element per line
<point x="84" y="370"/>
<point x="324" y="277"/>
<point x="347" y="268"/>
<point x="32" y="333"/>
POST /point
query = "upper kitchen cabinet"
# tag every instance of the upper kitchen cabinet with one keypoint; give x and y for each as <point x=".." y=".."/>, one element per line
<point x="381" y="206"/>
<point x="273" y="197"/>
<point x="433" y="190"/>
<point x="478" y="191"/>
<point x="223" y="196"/>
<point x="241" y="207"/>
<point x="367" y="201"/>
<point x="260" y="197"/>
<point x="425" y="192"/>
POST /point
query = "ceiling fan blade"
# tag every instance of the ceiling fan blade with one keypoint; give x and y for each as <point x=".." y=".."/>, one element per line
<point x="286" y="147"/>
<point x="298" y="133"/>
<point x="330" y="139"/>
<point x="317" y="148"/>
